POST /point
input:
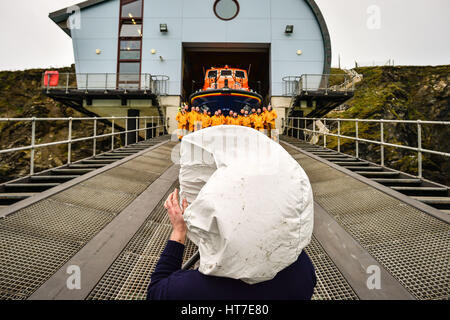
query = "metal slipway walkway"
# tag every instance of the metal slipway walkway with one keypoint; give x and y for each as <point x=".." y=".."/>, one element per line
<point x="111" y="223"/>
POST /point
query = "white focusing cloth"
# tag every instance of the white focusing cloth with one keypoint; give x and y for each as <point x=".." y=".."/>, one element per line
<point x="251" y="204"/>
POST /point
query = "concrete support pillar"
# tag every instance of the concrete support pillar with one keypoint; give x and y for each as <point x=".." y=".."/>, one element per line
<point x="171" y="104"/>
<point x="131" y="136"/>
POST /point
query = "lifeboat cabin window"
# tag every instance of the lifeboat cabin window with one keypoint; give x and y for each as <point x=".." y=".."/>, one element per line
<point x="225" y="73"/>
<point x="212" y="74"/>
<point x="240" y="74"/>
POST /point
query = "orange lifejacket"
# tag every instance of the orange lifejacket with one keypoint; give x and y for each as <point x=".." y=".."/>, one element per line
<point x="252" y="118"/>
<point x="259" y="121"/>
<point x="234" y="121"/>
<point x="206" y="120"/>
<point x="192" y="118"/>
<point x="246" y="121"/>
<point x="270" y="117"/>
<point x="181" y="119"/>
<point x="228" y="120"/>
<point x="216" y="121"/>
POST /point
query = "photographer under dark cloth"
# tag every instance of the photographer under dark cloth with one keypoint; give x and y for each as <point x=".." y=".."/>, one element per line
<point x="170" y="282"/>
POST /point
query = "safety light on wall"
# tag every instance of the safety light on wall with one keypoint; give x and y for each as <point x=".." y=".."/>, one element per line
<point x="163" y="27"/>
<point x="299" y="52"/>
<point x="98" y="51"/>
<point x="289" y="29"/>
<point x="153" y="51"/>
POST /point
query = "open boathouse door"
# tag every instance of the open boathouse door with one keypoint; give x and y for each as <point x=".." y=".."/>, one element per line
<point x="198" y="57"/>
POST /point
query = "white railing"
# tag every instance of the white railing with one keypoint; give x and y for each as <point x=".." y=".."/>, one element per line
<point x="323" y="83"/>
<point x="382" y="143"/>
<point x="156" y="124"/>
<point x="157" y="84"/>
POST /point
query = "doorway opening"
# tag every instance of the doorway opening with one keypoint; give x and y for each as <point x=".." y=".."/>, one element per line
<point x="253" y="57"/>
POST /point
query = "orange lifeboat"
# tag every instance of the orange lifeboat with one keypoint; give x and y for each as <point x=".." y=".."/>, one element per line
<point x="226" y="89"/>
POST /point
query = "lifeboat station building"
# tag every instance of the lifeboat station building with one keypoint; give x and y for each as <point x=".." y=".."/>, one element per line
<point x="146" y="57"/>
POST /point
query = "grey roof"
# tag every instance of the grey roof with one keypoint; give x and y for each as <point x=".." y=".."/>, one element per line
<point x="60" y="17"/>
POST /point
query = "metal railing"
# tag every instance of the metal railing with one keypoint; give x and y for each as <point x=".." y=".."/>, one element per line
<point x="154" y="122"/>
<point x="382" y="143"/>
<point x="157" y="84"/>
<point x="324" y="83"/>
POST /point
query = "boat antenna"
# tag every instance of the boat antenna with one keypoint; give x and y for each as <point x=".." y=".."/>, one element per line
<point x="204" y="73"/>
<point x="249" y="69"/>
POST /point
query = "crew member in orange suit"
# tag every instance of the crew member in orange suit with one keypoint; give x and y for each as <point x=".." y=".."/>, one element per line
<point x="264" y="114"/>
<point x="182" y="122"/>
<point x="270" y="120"/>
<point x="259" y="121"/>
<point x="198" y="119"/>
<point x="234" y="120"/>
<point x="252" y="117"/>
<point x="216" y="120"/>
<point x="246" y="120"/>
<point x="206" y="119"/>
<point x="192" y="117"/>
<point x="229" y="118"/>
<point x="221" y="116"/>
<point x="240" y="116"/>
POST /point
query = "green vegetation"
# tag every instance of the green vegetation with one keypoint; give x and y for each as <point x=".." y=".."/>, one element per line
<point x="21" y="97"/>
<point x="402" y="93"/>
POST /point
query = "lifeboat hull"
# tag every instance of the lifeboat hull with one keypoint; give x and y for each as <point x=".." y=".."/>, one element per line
<point x="225" y="99"/>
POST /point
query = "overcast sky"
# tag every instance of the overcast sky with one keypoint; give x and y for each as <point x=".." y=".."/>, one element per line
<point x="411" y="32"/>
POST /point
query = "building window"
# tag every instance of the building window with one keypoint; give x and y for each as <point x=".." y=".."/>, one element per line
<point x="130" y="44"/>
<point x="132" y="9"/>
<point x="130" y="30"/>
<point x="226" y="9"/>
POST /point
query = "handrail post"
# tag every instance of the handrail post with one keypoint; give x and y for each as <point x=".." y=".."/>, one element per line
<point x="126" y="131"/>
<point x="48" y="82"/>
<point x="69" y="146"/>
<point x="112" y="136"/>
<point x="106" y="83"/>
<point x="325" y="133"/>
<point x="382" y="142"/>
<point x="304" y="131"/>
<point x="419" y="148"/>
<point x="137" y="129"/>
<point x="67" y="82"/>
<point x="339" y="135"/>
<point x="87" y="77"/>
<point x="314" y="127"/>
<point x="157" y="127"/>
<point x="33" y="138"/>
<point x="95" y="140"/>
<point x="357" y="139"/>
<point x="145" y="126"/>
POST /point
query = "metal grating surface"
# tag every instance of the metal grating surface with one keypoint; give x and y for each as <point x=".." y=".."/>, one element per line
<point x="129" y="276"/>
<point x="37" y="240"/>
<point x="331" y="284"/>
<point x="411" y="245"/>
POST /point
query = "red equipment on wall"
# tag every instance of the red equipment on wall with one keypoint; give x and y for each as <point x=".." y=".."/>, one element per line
<point x="51" y="78"/>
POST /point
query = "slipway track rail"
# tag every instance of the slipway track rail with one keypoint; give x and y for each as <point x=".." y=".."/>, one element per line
<point x="111" y="223"/>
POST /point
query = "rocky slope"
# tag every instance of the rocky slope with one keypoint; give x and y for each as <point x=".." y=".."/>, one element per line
<point x="403" y="93"/>
<point x="21" y="97"/>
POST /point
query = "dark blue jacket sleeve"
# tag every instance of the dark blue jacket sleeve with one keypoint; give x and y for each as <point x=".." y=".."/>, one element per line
<point x="169" y="262"/>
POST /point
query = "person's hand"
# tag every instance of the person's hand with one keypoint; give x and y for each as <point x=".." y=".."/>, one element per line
<point x="176" y="217"/>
